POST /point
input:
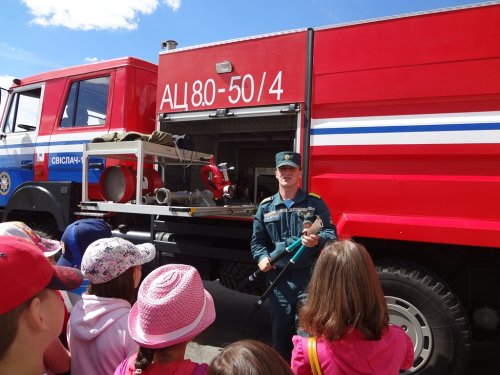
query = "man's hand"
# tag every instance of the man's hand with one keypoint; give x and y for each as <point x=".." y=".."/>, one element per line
<point x="265" y="264"/>
<point x="310" y="240"/>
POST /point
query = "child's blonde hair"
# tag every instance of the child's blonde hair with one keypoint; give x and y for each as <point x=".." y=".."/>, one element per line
<point x="247" y="357"/>
<point x="344" y="293"/>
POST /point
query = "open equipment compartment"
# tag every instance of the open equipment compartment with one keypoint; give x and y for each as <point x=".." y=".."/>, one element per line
<point x="246" y="141"/>
<point x="137" y="151"/>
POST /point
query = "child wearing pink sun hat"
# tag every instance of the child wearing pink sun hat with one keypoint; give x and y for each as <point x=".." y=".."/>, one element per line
<point x="172" y="308"/>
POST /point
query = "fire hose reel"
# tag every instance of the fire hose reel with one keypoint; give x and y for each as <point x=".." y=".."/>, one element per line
<point x="117" y="183"/>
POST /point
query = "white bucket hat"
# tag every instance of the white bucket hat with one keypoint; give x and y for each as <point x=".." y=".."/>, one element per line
<point x="107" y="258"/>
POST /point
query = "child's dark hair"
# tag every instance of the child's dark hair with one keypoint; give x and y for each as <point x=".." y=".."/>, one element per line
<point x="344" y="293"/>
<point x="8" y="326"/>
<point x="9" y="323"/>
<point x="143" y="359"/>
<point x="119" y="287"/>
<point x="248" y="357"/>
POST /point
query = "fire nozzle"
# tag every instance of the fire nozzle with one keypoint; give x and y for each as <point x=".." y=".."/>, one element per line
<point x="223" y="168"/>
<point x="228" y="189"/>
<point x="163" y="196"/>
<point x="194" y="198"/>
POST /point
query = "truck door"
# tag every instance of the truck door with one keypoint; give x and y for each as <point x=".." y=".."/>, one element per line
<point x="84" y="115"/>
<point x="19" y="131"/>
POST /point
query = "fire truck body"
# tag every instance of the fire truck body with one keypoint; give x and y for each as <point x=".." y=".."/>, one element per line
<point x="398" y="124"/>
<point x="405" y="151"/>
<point x="404" y="144"/>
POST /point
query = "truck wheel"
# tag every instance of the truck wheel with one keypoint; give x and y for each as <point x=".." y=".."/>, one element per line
<point x="233" y="276"/>
<point x="431" y="315"/>
<point x="46" y="230"/>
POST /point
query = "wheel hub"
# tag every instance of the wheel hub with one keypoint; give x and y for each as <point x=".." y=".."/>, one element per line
<point x="408" y="317"/>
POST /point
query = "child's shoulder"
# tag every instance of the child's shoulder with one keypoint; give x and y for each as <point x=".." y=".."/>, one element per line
<point x="396" y="329"/>
<point x="189" y="367"/>
<point x="398" y="334"/>
<point x="200" y="369"/>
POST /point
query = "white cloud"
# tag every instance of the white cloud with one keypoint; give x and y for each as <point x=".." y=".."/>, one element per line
<point x="91" y="59"/>
<point x="6" y="81"/>
<point x="173" y="4"/>
<point x="93" y="14"/>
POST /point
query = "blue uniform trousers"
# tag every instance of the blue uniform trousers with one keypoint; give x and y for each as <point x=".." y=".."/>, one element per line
<point x="284" y="302"/>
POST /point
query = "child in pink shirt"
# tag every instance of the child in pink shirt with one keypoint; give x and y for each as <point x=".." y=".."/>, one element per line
<point x="172" y="308"/>
<point x="346" y="316"/>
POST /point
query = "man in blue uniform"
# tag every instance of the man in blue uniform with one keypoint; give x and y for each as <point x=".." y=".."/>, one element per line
<point x="277" y="224"/>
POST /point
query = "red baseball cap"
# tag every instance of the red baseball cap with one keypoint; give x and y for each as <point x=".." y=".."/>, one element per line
<point x="24" y="272"/>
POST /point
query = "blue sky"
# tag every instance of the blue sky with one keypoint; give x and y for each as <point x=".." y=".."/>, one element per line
<point x="41" y="35"/>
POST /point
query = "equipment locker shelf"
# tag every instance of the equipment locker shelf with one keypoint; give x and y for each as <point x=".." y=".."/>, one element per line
<point x="164" y="155"/>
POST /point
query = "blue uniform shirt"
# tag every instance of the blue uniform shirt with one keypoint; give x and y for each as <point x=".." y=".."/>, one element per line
<point x="275" y="227"/>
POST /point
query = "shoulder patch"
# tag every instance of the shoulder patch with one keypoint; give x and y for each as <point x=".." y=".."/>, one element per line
<point x="266" y="200"/>
<point x="314" y="195"/>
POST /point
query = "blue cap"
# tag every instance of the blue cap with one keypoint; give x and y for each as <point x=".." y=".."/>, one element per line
<point x="288" y="158"/>
<point x="78" y="236"/>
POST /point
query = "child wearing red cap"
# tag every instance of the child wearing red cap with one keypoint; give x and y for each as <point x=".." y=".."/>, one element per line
<point x="57" y="357"/>
<point x="31" y="312"/>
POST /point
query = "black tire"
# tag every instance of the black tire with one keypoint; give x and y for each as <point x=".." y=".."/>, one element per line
<point x="432" y="316"/>
<point x="45" y="230"/>
<point x="234" y="276"/>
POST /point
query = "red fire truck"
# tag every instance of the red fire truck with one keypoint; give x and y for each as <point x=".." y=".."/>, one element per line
<point x="397" y="119"/>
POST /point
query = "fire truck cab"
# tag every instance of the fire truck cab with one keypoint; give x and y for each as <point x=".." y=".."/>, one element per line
<point x="47" y="119"/>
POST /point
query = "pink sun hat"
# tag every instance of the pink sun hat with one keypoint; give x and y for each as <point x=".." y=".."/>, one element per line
<point x="172" y="307"/>
<point x="19" y="229"/>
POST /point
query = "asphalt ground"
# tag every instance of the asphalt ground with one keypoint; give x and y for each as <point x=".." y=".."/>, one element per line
<point x="232" y="323"/>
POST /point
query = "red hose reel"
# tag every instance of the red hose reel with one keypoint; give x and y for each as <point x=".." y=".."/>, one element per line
<point x="117" y="183"/>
